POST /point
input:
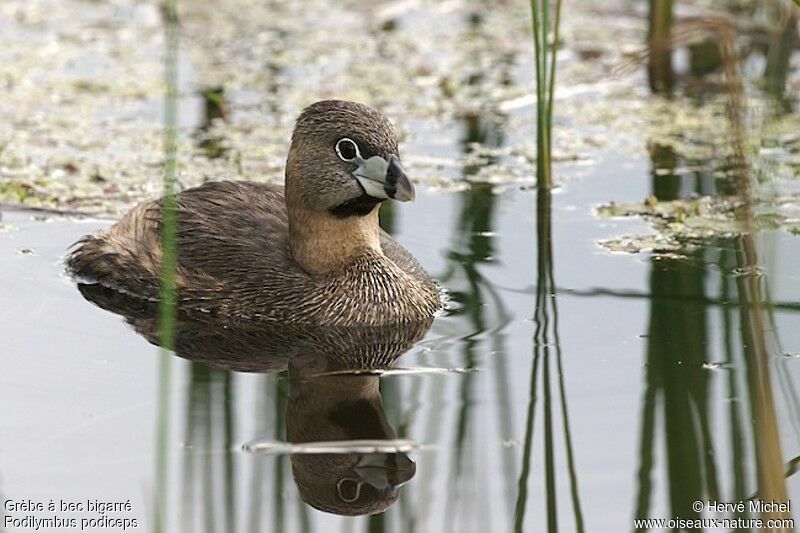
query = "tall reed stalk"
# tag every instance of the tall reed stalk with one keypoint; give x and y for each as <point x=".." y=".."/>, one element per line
<point x="545" y="84"/>
<point x="169" y="257"/>
<point x="753" y="315"/>
<point x="659" y="34"/>
<point x="546" y="311"/>
<point x="169" y="206"/>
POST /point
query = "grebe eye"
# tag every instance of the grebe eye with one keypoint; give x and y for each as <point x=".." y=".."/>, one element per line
<point x="347" y="149"/>
<point x="349" y="489"/>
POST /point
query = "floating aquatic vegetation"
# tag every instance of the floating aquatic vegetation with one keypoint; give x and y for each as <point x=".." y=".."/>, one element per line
<point x="682" y="210"/>
<point x="83" y="92"/>
<point x="19" y="192"/>
<point x="84" y="98"/>
<point x="654" y="243"/>
<point x="681" y="224"/>
<point x="749" y="271"/>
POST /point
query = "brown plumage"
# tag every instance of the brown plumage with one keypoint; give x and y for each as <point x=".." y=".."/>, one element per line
<point x="265" y="346"/>
<point x="312" y="253"/>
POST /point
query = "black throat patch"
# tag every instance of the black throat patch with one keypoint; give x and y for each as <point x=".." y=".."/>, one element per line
<point x="360" y="206"/>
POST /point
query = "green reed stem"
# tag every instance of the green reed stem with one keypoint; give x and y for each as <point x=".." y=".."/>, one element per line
<point x="169" y="207"/>
<point x="545" y="85"/>
<point x="169" y="257"/>
<point x="552" y="85"/>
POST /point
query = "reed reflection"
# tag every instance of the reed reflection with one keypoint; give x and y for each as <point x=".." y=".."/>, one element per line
<point x="334" y="397"/>
<point x="703" y="39"/>
<point x="546" y="368"/>
<point x="716" y="403"/>
<point x="675" y="382"/>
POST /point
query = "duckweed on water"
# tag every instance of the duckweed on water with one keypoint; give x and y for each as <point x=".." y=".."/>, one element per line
<point x="683" y="223"/>
<point x="83" y="98"/>
<point x="33" y="195"/>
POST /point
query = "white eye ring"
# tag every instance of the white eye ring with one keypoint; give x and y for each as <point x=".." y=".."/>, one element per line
<point x="340" y="485"/>
<point x="355" y="147"/>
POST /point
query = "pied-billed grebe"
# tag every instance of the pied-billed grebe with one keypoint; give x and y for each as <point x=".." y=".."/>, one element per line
<point x="312" y="254"/>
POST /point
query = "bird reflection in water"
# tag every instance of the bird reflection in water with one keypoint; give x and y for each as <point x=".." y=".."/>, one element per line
<point x="334" y="393"/>
<point x="339" y="408"/>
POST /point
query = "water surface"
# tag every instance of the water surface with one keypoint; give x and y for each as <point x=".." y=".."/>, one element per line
<point x="593" y="387"/>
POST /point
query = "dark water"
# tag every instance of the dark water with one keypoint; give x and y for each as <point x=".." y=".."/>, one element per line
<point x="566" y="388"/>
